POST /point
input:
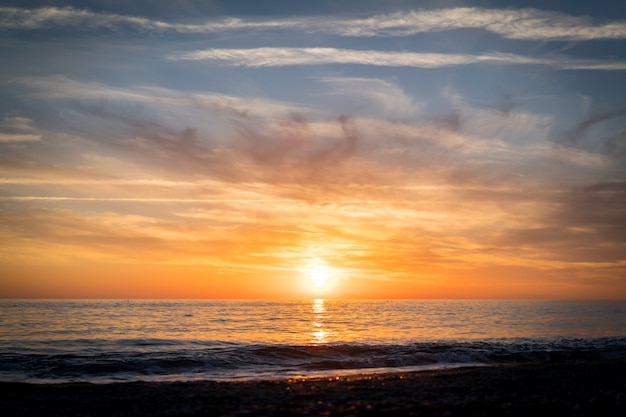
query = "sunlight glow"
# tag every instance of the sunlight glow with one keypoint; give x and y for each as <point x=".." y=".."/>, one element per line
<point x="319" y="274"/>
<point x="319" y="277"/>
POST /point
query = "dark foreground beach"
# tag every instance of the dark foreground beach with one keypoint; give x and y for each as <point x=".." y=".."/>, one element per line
<point x="573" y="388"/>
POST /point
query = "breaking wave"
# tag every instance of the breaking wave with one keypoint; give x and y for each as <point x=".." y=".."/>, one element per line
<point x="167" y="360"/>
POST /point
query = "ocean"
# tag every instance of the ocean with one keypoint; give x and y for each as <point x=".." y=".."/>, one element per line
<point x="103" y="341"/>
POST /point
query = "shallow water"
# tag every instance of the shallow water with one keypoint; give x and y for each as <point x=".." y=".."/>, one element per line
<point x="115" y="340"/>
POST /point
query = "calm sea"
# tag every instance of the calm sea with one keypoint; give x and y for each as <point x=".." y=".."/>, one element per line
<point x="52" y="341"/>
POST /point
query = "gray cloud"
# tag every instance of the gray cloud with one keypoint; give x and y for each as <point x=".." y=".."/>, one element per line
<point x="583" y="224"/>
<point x="610" y="143"/>
<point x="601" y="206"/>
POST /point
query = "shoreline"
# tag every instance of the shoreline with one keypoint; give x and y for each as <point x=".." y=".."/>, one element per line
<point x="581" y="388"/>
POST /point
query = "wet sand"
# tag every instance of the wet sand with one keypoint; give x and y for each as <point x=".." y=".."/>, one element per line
<point x="575" y="388"/>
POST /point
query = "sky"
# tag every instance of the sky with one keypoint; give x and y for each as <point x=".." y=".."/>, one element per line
<point x="338" y="149"/>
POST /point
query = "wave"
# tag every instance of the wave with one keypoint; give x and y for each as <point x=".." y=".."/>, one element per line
<point x="167" y="360"/>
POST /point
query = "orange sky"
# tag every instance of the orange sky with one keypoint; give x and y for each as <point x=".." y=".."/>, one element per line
<point x="408" y="159"/>
<point x="388" y="222"/>
<point x="376" y="240"/>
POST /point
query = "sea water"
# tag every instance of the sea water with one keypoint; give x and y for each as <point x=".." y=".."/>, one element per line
<point x="54" y="341"/>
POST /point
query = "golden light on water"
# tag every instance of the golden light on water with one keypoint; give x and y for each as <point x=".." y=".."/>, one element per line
<point x="318" y="306"/>
<point x="319" y="333"/>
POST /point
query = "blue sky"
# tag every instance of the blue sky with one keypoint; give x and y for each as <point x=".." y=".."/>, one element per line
<point x="414" y="146"/>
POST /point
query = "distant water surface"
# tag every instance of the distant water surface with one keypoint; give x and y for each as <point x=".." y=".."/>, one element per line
<point x="56" y="341"/>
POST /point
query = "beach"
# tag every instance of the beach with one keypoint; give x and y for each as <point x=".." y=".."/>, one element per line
<point x="566" y="388"/>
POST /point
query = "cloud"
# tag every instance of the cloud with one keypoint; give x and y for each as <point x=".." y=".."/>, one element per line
<point x="291" y="151"/>
<point x="581" y="224"/>
<point x="62" y="87"/>
<point x="527" y="24"/>
<point x="23" y="124"/>
<point x="18" y="129"/>
<point x="9" y="137"/>
<point x="600" y="206"/>
<point x="137" y="199"/>
<point x="375" y="96"/>
<point x="596" y="129"/>
<point x="275" y="57"/>
<point x="303" y="151"/>
<point x="54" y="17"/>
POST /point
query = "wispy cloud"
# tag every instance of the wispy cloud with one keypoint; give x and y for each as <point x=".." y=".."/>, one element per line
<point x="281" y="142"/>
<point x="12" y="137"/>
<point x="528" y="24"/>
<point x="139" y="200"/>
<point x="275" y="57"/>
<point x="54" y="17"/>
<point x="62" y="87"/>
<point x="18" y="129"/>
<point x="373" y="95"/>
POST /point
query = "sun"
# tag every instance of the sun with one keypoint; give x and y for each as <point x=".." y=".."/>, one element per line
<point x="319" y="276"/>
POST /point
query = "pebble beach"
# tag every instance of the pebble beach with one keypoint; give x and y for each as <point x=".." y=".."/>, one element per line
<point x="568" y="388"/>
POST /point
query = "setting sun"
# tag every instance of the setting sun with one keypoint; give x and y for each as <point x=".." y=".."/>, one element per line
<point x="319" y="275"/>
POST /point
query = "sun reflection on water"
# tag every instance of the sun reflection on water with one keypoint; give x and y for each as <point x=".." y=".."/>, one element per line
<point x="319" y="314"/>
